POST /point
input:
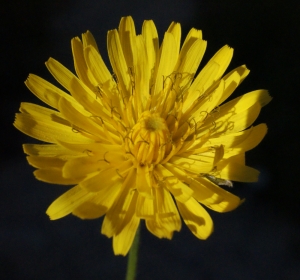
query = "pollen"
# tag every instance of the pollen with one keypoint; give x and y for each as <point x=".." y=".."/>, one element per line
<point x="154" y="122"/>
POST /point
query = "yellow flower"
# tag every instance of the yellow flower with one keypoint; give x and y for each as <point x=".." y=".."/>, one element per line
<point x="149" y="140"/>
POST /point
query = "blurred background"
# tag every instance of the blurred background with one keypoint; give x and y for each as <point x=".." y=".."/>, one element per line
<point x="259" y="240"/>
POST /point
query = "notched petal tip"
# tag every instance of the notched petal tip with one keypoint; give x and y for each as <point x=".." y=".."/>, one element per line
<point x="267" y="99"/>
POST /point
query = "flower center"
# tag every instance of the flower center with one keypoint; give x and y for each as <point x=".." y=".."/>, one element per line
<point x="154" y="123"/>
<point x="148" y="138"/>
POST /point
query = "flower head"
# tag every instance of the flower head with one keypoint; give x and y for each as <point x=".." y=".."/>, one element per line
<point x="148" y="140"/>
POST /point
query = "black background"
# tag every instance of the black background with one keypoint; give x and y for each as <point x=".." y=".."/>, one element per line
<point x="259" y="240"/>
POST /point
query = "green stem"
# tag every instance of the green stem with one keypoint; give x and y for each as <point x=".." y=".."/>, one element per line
<point x="133" y="257"/>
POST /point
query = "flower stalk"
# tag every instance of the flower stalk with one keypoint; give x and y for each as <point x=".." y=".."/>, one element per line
<point x="133" y="257"/>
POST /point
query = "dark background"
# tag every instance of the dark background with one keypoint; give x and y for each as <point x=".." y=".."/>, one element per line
<point x="259" y="240"/>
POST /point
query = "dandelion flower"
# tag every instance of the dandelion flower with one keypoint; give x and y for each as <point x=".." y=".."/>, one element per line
<point x="148" y="140"/>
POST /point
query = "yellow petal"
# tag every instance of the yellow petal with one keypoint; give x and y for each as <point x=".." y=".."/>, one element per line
<point x="192" y="36"/>
<point x="122" y="241"/>
<point x="214" y="96"/>
<point x="81" y="68"/>
<point x="107" y="195"/>
<point x="225" y="89"/>
<point x="200" y="192"/>
<point x="222" y="58"/>
<point x="54" y="176"/>
<point x="195" y="164"/>
<point x="166" y="63"/>
<point x="47" y="130"/>
<point x="150" y="37"/>
<point x="232" y="80"/>
<point x="175" y="29"/>
<point x="89" y="149"/>
<point x="68" y="202"/>
<point x="228" y="202"/>
<point x="254" y="138"/>
<point x="213" y="71"/>
<point x="166" y="209"/>
<point x="89" y="40"/>
<point x="122" y="210"/>
<point x="80" y="167"/>
<point x="196" y="218"/>
<point x="239" y="158"/>
<point x="103" y="179"/>
<point x="167" y="220"/>
<point x="156" y="228"/>
<point x="142" y="77"/>
<point x="189" y="61"/>
<point x="238" y="113"/>
<point x="88" y="100"/>
<point x="89" y="210"/>
<point x="202" y="82"/>
<point x="177" y="172"/>
<point x="204" y="194"/>
<point x="118" y="62"/>
<point x="49" y="150"/>
<point x="247" y="100"/>
<point x="81" y="122"/>
<point x="45" y="91"/>
<point x="40" y="112"/>
<point x="60" y="73"/>
<point x="144" y="207"/>
<point x="179" y="190"/>
<point x="128" y="40"/>
<point x="236" y="119"/>
<point x="230" y="140"/>
<point x="44" y="162"/>
<point x="143" y="183"/>
<point x="98" y="69"/>
<point x="238" y="172"/>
